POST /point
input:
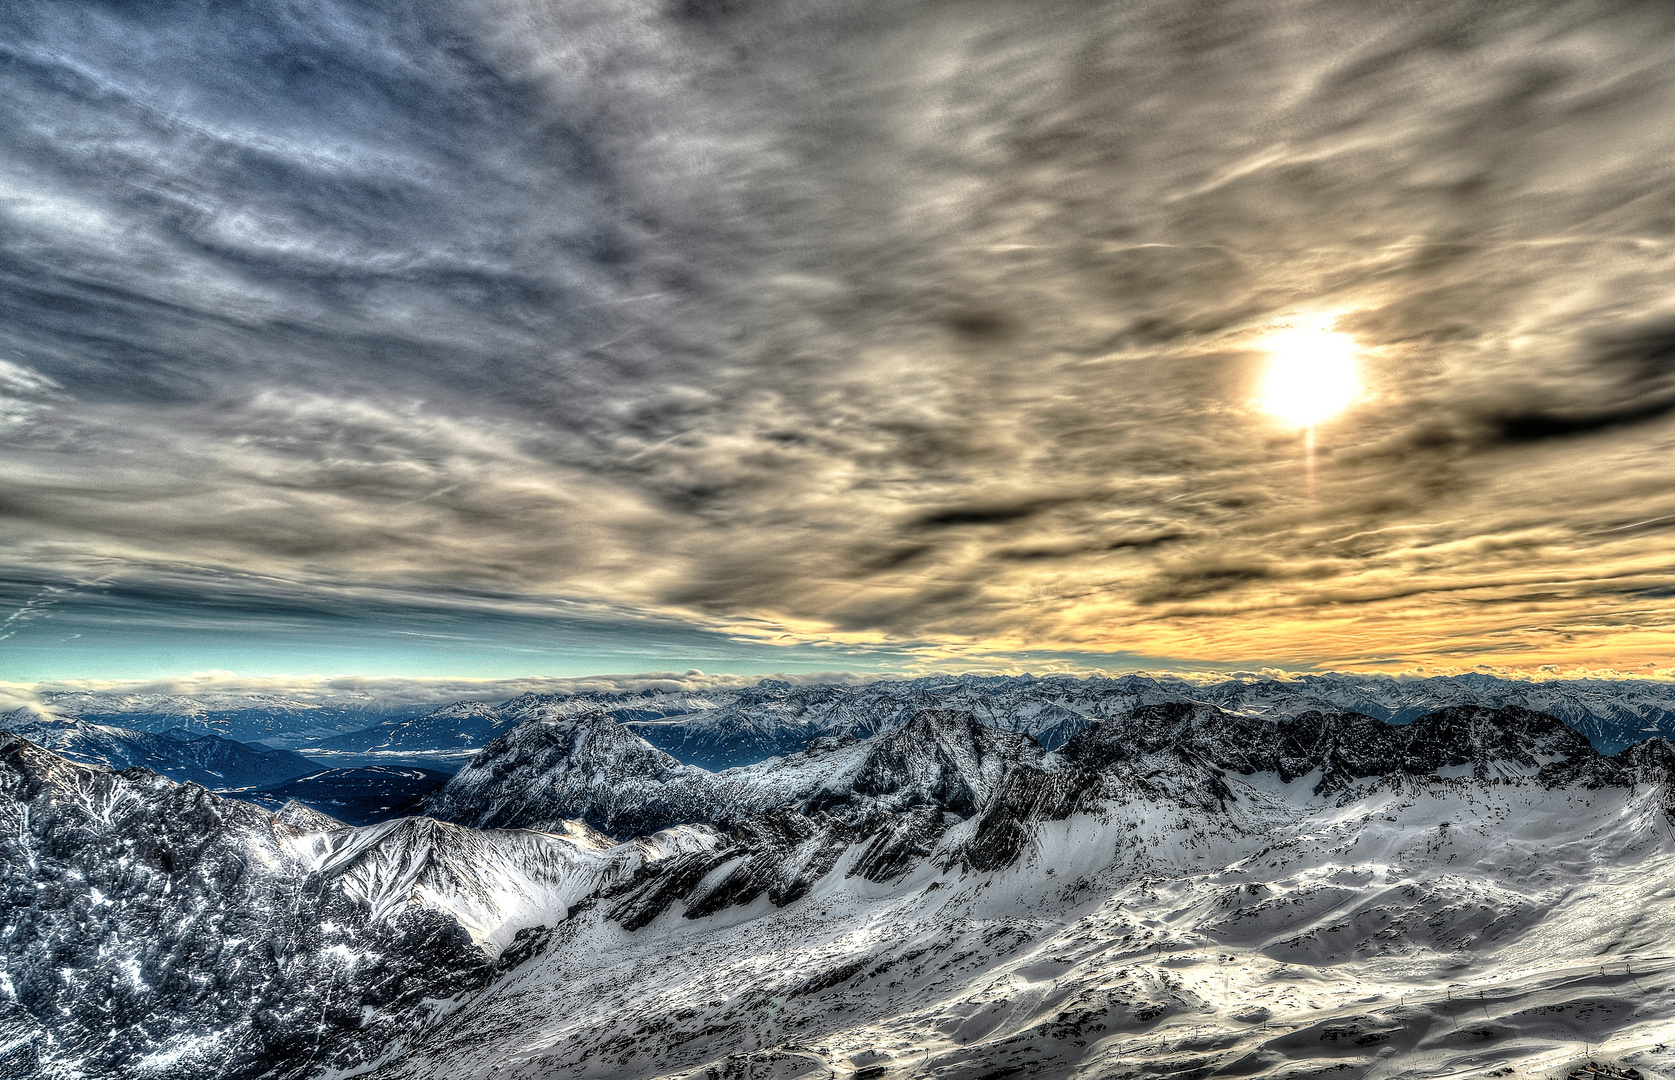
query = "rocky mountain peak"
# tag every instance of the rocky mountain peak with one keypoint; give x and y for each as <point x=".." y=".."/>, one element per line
<point x="591" y="742"/>
<point x="1482" y="737"/>
<point x="464" y="709"/>
<point x="589" y="764"/>
<point x="344" y="937"/>
<point x="128" y="894"/>
<point x="1341" y="747"/>
<point x="941" y="758"/>
<point x="301" y="818"/>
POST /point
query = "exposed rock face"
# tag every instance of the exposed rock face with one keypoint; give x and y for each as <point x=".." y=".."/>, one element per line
<point x="596" y="770"/>
<point x="888" y="803"/>
<point x="779" y="855"/>
<point x="1021" y="801"/>
<point x="589" y="767"/>
<point x="1650" y="762"/>
<point x="1343" y="747"/>
<point x="942" y="758"/>
<point x="892" y="804"/>
<point x="155" y="928"/>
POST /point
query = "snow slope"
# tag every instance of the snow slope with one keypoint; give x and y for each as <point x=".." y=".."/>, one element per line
<point x="1175" y="890"/>
<point x="1424" y="927"/>
<point x="493" y="883"/>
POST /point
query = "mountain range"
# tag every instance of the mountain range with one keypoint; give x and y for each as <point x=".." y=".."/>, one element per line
<point x="1176" y="889"/>
<point x="241" y="716"/>
<point x="718" y="729"/>
<point x="177" y="753"/>
<point x="721" y="728"/>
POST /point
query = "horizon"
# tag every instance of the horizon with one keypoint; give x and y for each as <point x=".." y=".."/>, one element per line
<point x="394" y="693"/>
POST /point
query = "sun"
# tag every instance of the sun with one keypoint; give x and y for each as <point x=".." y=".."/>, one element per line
<point x="1311" y="375"/>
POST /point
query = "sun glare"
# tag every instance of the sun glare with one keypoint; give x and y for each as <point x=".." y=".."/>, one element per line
<point x="1311" y="375"/>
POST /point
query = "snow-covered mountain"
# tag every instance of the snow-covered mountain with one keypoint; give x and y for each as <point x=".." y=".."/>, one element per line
<point x="774" y="718"/>
<point x="345" y="723"/>
<point x="243" y="716"/>
<point x="155" y="929"/>
<point x="250" y="772"/>
<point x="1423" y="927"/>
<point x="176" y="753"/>
<point x="465" y="725"/>
<point x="596" y="770"/>
<point x="1176" y="889"/>
<point x="721" y="728"/>
<point x="493" y="883"/>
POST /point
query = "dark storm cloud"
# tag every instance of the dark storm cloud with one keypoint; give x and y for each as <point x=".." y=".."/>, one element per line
<point x="1529" y="427"/>
<point x="1068" y="551"/>
<point x="993" y="513"/>
<point x="927" y="320"/>
<point x="1640" y="359"/>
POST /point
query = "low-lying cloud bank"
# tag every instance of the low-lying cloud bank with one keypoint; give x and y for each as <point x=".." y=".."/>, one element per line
<point x="389" y="692"/>
<point x="223" y="690"/>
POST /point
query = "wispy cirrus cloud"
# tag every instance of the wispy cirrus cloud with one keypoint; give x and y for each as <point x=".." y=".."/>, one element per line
<point x="862" y="325"/>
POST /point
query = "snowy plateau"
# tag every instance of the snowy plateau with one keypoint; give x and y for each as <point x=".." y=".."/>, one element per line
<point x="966" y="878"/>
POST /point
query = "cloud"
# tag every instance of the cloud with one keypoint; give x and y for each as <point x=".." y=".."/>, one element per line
<point x="860" y="322"/>
<point x="1640" y="360"/>
<point x="386" y="693"/>
<point x="992" y="513"/>
<point x="1530" y="427"/>
<point x="16" y="698"/>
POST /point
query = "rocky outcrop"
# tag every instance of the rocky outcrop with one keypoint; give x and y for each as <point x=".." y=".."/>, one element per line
<point x="1343" y="748"/>
<point x="941" y="758"/>
<point x="590" y="768"/>
<point x="150" y="921"/>
<point x="151" y="918"/>
<point x="596" y="770"/>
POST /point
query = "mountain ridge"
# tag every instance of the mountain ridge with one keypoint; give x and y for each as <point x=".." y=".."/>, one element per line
<point x="721" y="728"/>
<point x="855" y="905"/>
<point x="178" y="753"/>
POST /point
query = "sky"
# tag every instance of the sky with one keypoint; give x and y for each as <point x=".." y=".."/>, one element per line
<point x="495" y="338"/>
